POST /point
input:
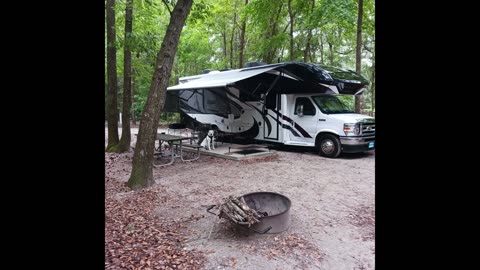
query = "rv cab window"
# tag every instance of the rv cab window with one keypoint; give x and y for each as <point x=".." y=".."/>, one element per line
<point x="308" y="108"/>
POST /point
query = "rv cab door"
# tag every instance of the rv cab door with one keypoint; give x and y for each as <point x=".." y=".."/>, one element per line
<point x="303" y="127"/>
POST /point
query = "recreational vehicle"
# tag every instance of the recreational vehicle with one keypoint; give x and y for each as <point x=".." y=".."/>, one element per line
<point x="291" y="103"/>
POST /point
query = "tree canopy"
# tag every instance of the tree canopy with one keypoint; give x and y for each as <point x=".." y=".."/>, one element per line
<point x="324" y="31"/>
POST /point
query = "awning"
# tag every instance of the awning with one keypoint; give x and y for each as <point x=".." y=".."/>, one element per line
<point x="222" y="79"/>
<point x="300" y="77"/>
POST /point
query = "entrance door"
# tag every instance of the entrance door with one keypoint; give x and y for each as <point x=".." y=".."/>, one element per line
<point x="270" y="129"/>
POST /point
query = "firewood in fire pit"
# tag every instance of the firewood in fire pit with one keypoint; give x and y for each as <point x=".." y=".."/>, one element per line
<point x="238" y="211"/>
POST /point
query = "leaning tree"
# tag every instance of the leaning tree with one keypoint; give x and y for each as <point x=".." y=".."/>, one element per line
<point x="142" y="167"/>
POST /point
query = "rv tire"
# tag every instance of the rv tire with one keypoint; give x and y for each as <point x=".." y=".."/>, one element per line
<point x="328" y="145"/>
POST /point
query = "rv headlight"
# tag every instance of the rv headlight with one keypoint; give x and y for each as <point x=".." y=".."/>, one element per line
<point x="351" y="129"/>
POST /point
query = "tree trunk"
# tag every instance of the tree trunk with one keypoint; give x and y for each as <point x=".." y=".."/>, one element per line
<point x="372" y="87"/>
<point x="134" y="120"/>
<point x="224" y="35"/>
<point x="233" y="36"/>
<point x="142" y="165"/>
<point x="124" y="144"/>
<point x="358" y="62"/>
<point x="306" y="53"/>
<point x="330" y="46"/>
<point x="290" y="14"/>
<point x="231" y="40"/>
<point x="321" y="49"/>
<point x="313" y="56"/>
<point x="176" y="72"/>
<point x="270" y="54"/>
<point x="112" y="110"/>
<point x="242" y="40"/>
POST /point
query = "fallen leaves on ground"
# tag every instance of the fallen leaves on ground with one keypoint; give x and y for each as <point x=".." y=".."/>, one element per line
<point x="364" y="217"/>
<point x="135" y="239"/>
<point x="287" y="244"/>
<point x="261" y="159"/>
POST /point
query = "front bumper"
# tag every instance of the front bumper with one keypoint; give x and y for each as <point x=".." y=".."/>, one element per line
<point x="357" y="144"/>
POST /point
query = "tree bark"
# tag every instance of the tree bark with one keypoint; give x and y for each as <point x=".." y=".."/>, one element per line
<point x="321" y="49"/>
<point x="124" y="144"/>
<point x="134" y="120"/>
<point x="372" y="87"/>
<point x="242" y="40"/>
<point x="313" y="56"/>
<point x="307" y="53"/>
<point x="358" y="62"/>
<point x="112" y="110"/>
<point x="142" y="167"/>
<point x="224" y="35"/>
<point x="290" y="14"/>
<point x="330" y="46"/>
<point x="270" y="54"/>
<point x="232" y="37"/>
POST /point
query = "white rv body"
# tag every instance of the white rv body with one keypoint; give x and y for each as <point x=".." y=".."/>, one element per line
<point x="299" y="119"/>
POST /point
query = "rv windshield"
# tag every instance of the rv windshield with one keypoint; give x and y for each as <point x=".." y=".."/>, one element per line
<point x="331" y="104"/>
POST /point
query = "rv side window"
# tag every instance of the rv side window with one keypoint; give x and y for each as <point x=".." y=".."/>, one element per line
<point x="308" y="108"/>
<point x="216" y="100"/>
<point x="191" y="101"/>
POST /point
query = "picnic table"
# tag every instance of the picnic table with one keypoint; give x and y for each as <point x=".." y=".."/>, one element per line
<point x="176" y="147"/>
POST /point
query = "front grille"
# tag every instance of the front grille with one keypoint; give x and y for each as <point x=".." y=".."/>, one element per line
<point x="368" y="129"/>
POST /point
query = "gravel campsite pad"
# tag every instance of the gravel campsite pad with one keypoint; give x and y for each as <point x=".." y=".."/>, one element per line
<point x="166" y="226"/>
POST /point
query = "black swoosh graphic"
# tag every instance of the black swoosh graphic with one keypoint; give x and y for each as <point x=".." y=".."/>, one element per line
<point x="251" y="132"/>
<point x="297" y="126"/>
<point x="269" y="125"/>
<point x="291" y="130"/>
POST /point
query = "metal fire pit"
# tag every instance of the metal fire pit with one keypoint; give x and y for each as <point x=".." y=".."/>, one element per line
<point x="277" y="208"/>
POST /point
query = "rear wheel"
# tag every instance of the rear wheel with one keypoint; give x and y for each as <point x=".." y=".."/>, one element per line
<point x="329" y="146"/>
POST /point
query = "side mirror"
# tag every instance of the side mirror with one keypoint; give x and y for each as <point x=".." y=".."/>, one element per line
<point x="300" y="110"/>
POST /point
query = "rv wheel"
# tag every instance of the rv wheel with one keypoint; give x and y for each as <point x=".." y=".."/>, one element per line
<point x="328" y="146"/>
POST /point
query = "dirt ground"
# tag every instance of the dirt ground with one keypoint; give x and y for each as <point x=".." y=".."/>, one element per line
<point x="332" y="213"/>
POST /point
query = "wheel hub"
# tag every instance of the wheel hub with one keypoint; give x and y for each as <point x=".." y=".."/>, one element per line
<point x="327" y="146"/>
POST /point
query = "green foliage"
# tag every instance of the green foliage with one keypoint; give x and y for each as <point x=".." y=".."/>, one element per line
<point x="267" y="22"/>
<point x="201" y="11"/>
<point x="205" y="39"/>
<point x="168" y="118"/>
<point x="138" y="105"/>
<point x="150" y="19"/>
<point x="348" y="100"/>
